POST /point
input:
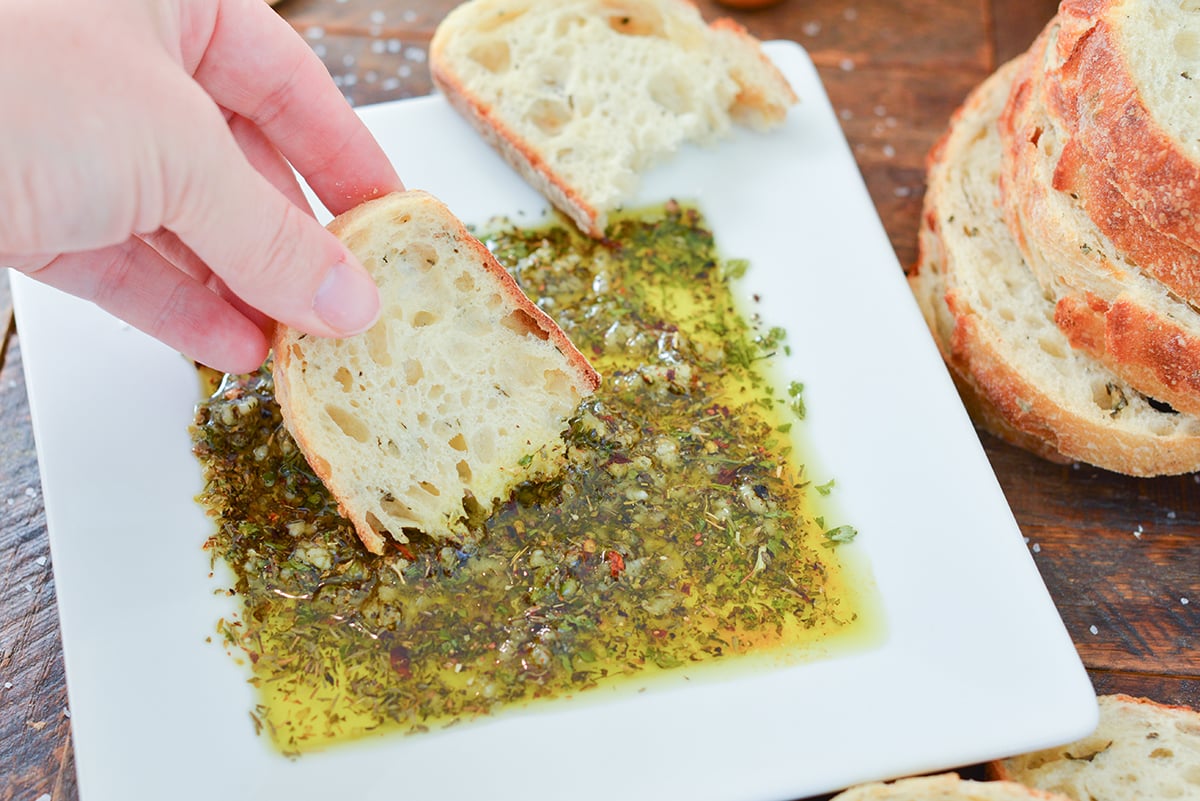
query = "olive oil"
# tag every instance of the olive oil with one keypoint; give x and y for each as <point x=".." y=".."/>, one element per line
<point x="683" y="532"/>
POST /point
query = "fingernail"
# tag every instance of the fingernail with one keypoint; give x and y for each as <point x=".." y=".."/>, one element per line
<point x="347" y="300"/>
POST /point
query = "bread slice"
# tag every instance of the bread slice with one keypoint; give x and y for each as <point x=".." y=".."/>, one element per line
<point x="1130" y="71"/>
<point x="1107" y="303"/>
<point x="1140" y="750"/>
<point x="582" y="96"/>
<point x="998" y="324"/>
<point x="461" y="390"/>
<point x="945" y="787"/>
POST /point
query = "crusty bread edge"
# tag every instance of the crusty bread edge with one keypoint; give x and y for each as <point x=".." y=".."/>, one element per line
<point x="345" y="226"/>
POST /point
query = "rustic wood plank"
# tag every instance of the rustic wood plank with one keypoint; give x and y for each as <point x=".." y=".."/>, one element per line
<point x="35" y="724"/>
<point x="1016" y="23"/>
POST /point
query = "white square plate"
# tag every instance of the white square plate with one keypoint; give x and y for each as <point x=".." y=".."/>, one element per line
<point x="974" y="662"/>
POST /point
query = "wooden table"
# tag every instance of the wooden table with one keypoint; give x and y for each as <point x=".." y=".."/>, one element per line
<point x="1120" y="556"/>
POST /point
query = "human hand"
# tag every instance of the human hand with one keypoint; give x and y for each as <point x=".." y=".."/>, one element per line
<point x="144" y="169"/>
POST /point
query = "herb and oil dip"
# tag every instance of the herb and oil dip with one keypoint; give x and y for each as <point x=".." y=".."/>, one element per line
<point x="684" y="532"/>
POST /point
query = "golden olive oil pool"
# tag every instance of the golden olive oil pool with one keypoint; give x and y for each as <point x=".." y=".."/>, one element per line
<point x="685" y="531"/>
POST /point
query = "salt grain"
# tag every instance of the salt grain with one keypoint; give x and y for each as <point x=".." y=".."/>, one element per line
<point x="846" y="114"/>
<point x="880" y="111"/>
<point x="1184" y="601"/>
<point x="850" y="14"/>
<point x="811" y="28"/>
<point x="320" y="50"/>
<point x="41" y="561"/>
<point x="315" y="32"/>
<point x="43" y="797"/>
<point x="889" y="152"/>
<point x="377" y="17"/>
<point x="1036" y="548"/>
<point x="347" y="60"/>
<point x="394" y="45"/>
<point x="378" y="46"/>
<point x="1171" y="515"/>
<point x="902" y="191"/>
<point x="8" y="685"/>
<point x="409" y="16"/>
<point x="1093" y="630"/>
<point x="847" y="64"/>
<point x="415" y="54"/>
<point x="66" y="713"/>
<point x="30" y="492"/>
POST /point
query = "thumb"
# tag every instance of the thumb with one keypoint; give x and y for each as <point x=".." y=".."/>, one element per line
<point x="270" y="252"/>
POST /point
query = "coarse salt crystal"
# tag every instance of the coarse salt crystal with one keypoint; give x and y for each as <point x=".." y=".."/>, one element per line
<point x="1093" y="629"/>
<point x="66" y="713"/>
<point x="41" y="561"/>
<point x="1184" y="601"/>
<point x="889" y="151"/>
<point x="1036" y="548"/>
<point x="8" y="685"/>
<point x="30" y="492"/>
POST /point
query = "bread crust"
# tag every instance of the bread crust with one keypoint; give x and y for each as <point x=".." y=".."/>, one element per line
<point x="1106" y="304"/>
<point x="945" y="787"/>
<point x="1140" y="749"/>
<point x="978" y="347"/>
<point x="1105" y="103"/>
<point x="758" y="94"/>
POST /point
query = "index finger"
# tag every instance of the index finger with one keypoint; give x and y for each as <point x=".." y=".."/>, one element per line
<point x="253" y="63"/>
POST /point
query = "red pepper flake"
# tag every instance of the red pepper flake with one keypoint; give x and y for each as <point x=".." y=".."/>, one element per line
<point x="405" y="552"/>
<point x="616" y="563"/>
<point x="400" y="661"/>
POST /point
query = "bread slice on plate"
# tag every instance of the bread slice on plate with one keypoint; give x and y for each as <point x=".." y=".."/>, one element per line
<point x="1141" y="750"/>
<point x="945" y="787"/>
<point x="461" y="390"/>
<point x="1107" y="303"/>
<point x="582" y="96"/>
<point x="1130" y="71"/>
<point x="996" y="324"/>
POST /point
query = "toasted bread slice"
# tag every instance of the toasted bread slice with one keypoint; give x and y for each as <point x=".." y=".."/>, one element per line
<point x="999" y="324"/>
<point x="1107" y="303"/>
<point x="581" y="96"/>
<point x="461" y="390"/>
<point x="1140" y="750"/>
<point x="945" y="787"/>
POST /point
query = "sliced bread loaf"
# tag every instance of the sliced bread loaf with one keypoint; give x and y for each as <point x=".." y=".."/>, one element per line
<point x="461" y="390"/>
<point x="581" y="96"/>
<point x="944" y="787"/>
<point x="999" y="324"/>
<point x="1106" y="303"/>
<point x="1141" y="750"/>
<point x="1129" y="74"/>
